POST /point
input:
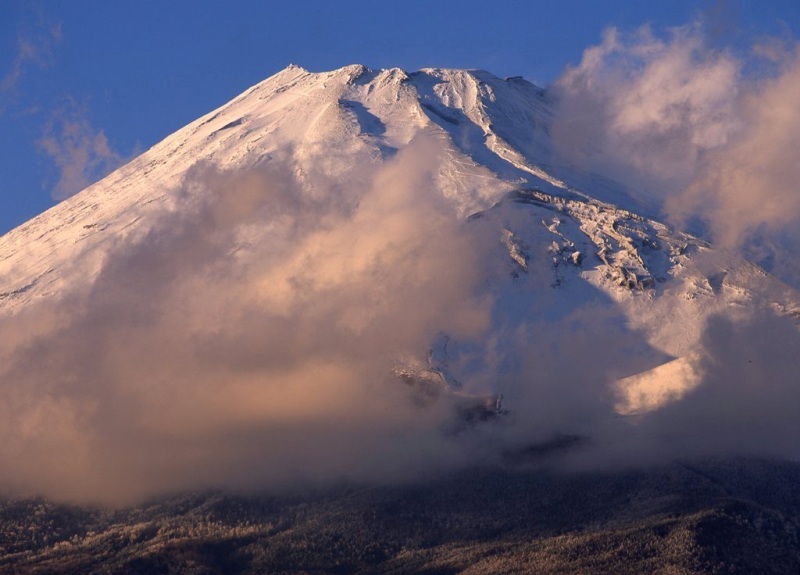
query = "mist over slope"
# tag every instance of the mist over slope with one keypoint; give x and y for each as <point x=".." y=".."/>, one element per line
<point x="382" y="276"/>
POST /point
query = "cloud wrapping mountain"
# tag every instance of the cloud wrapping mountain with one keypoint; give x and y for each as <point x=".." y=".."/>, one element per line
<point x="337" y="275"/>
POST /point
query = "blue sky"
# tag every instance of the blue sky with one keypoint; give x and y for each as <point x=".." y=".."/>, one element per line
<point x="97" y="81"/>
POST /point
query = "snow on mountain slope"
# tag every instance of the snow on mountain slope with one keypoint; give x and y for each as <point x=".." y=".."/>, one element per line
<point x="579" y="292"/>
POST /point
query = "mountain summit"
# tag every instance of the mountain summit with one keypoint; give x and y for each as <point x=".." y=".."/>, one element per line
<point x="396" y="264"/>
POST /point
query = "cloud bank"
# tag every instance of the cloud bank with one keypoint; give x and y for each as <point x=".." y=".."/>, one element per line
<point x="248" y="339"/>
<point x="746" y="403"/>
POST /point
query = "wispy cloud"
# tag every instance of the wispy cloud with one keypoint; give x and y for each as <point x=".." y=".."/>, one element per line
<point x="81" y="153"/>
<point x="36" y="43"/>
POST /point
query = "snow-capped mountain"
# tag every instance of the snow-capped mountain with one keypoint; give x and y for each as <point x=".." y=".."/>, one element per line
<point x="561" y="270"/>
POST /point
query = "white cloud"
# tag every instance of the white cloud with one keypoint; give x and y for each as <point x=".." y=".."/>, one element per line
<point x="682" y="123"/>
<point x="643" y="110"/>
<point x="753" y="182"/>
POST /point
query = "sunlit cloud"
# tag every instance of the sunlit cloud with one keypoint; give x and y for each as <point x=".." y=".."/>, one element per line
<point x="248" y="339"/>
<point x="753" y="182"/>
<point x="642" y="109"/>
<point x="679" y="122"/>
